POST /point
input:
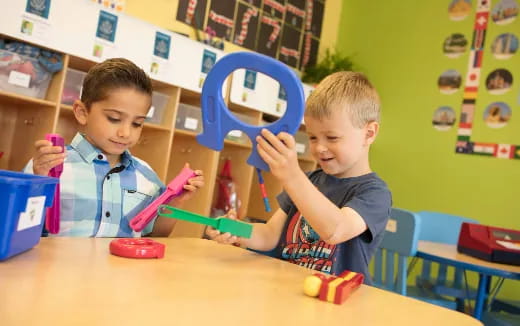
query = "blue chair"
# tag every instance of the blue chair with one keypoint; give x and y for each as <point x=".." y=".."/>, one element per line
<point x="509" y="306"/>
<point x="443" y="228"/>
<point x="399" y="243"/>
<point x="492" y="318"/>
<point x="502" y="313"/>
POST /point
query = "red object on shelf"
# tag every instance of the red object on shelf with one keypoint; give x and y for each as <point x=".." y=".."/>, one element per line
<point x="137" y="248"/>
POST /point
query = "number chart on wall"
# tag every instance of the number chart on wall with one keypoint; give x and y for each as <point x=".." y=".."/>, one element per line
<point x="288" y="30"/>
<point x="489" y="119"/>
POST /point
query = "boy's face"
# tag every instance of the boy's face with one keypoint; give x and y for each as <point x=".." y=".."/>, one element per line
<point x="340" y="148"/>
<point x="114" y="124"/>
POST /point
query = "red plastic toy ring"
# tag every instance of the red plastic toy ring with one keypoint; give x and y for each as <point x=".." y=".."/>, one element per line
<point x="137" y="248"/>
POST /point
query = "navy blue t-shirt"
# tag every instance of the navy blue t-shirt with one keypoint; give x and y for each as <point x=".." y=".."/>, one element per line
<point x="368" y="195"/>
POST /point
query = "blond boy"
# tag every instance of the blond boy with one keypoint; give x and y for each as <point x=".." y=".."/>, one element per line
<point x="331" y="219"/>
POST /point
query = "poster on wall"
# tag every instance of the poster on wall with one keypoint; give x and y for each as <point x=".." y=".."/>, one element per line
<point x="246" y="26"/>
<point x="35" y="22"/>
<point x="221" y="19"/>
<point x="104" y="43"/>
<point x="496" y="84"/>
<point x="192" y="12"/>
<point x="161" y="53"/>
<point x="260" y="25"/>
<point x="117" y="5"/>
<point x="289" y="48"/>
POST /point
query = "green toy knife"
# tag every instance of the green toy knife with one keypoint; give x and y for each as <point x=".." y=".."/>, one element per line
<point x="223" y="224"/>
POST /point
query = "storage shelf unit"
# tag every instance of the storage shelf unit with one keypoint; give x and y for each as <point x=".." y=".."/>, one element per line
<point x="23" y="120"/>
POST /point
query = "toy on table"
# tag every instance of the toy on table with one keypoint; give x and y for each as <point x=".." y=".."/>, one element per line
<point x="174" y="189"/>
<point x="137" y="248"/>
<point x="218" y="121"/>
<point x="334" y="289"/>
<point x="223" y="224"/>
<point x="52" y="219"/>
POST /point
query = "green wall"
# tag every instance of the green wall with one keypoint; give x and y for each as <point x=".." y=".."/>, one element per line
<point x="398" y="44"/>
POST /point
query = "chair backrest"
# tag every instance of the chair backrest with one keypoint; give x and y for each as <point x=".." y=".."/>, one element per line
<point x="399" y="243"/>
<point x="441" y="228"/>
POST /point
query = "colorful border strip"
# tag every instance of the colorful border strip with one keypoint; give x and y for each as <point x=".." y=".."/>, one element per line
<point x="464" y="144"/>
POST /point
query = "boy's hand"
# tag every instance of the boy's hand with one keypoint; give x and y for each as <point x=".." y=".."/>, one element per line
<point x="223" y="238"/>
<point x="279" y="152"/>
<point x="191" y="188"/>
<point x="46" y="157"/>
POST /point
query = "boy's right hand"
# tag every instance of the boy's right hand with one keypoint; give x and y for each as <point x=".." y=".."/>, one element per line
<point x="46" y="157"/>
<point x="223" y="238"/>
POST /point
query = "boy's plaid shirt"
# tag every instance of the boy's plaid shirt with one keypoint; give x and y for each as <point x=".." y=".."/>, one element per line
<point x="97" y="201"/>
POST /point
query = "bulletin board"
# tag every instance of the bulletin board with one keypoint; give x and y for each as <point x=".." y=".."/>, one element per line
<point x="287" y="30"/>
<point x="488" y="120"/>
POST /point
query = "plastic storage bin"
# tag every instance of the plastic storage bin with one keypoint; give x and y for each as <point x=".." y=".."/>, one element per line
<point x="159" y="102"/>
<point x="189" y="117"/>
<point x="73" y="85"/>
<point x="23" y="75"/>
<point x="22" y="210"/>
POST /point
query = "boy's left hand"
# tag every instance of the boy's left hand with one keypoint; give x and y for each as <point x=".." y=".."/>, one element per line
<point x="190" y="188"/>
<point x="279" y="152"/>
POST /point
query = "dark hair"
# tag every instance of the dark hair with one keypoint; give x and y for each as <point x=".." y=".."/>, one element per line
<point x="112" y="74"/>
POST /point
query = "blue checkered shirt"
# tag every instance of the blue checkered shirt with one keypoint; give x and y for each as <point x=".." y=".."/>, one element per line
<point x="99" y="201"/>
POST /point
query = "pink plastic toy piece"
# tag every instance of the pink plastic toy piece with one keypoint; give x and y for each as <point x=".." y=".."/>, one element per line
<point x="174" y="189"/>
<point x="52" y="220"/>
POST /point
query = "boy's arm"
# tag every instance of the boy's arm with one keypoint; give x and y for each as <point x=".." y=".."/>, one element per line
<point x="162" y="227"/>
<point x="333" y="224"/>
<point x="266" y="236"/>
<point x="263" y="238"/>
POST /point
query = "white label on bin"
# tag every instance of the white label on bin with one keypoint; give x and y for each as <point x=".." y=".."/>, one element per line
<point x="391" y="226"/>
<point x="33" y="213"/>
<point x="235" y="133"/>
<point x="151" y="112"/>
<point x="19" y="79"/>
<point x="191" y="123"/>
<point x="300" y="148"/>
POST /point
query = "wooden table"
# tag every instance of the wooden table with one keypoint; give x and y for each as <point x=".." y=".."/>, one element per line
<point x="448" y="254"/>
<point x="76" y="281"/>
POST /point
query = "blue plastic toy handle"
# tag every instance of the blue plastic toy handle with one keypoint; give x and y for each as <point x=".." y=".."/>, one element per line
<point x="217" y="120"/>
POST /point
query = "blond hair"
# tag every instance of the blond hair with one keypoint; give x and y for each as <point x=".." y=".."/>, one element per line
<point x="348" y="90"/>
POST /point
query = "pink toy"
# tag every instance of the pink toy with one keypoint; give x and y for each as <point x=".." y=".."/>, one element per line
<point x="52" y="220"/>
<point x="174" y="189"/>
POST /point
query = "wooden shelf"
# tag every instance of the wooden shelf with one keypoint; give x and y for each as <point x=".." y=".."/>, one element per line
<point x="80" y="63"/>
<point x="17" y="99"/>
<point x="155" y="126"/>
<point x="186" y="133"/>
<point x="237" y="144"/>
<point x="66" y="107"/>
<point x="306" y="159"/>
<point x="25" y="119"/>
<point x="190" y="97"/>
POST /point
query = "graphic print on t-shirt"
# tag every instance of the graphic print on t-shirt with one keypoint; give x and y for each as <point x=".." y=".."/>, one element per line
<point x="305" y="248"/>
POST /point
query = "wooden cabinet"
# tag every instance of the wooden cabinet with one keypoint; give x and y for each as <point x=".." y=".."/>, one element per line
<point x="166" y="148"/>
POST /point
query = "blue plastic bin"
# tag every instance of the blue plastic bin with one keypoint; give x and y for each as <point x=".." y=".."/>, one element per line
<point x="23" y="198"/>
